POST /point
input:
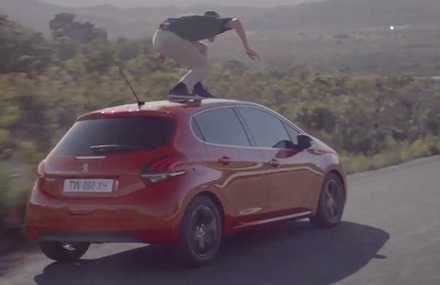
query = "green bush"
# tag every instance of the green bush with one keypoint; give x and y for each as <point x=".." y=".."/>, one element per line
<point x="4" y="134"/>
<point x="16" y="180"/>
<point x="4" y="188"/>
<point x="401" y="152"/>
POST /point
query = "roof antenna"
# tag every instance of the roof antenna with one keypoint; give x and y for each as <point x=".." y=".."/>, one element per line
<point x="140" y="103"/>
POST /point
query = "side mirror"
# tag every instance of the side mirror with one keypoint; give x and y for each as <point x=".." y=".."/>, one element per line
<point x="304" y="141"/>
<point x="284" y="144"/>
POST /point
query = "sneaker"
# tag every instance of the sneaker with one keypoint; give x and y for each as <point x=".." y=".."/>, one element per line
<point x="179" y="89"/>
<point x="201" y="91"/>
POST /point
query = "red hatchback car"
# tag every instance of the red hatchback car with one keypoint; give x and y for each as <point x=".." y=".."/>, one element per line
<point x="182" y="173"/>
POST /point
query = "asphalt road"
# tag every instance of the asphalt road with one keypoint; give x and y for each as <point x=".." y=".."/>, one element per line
<point x="390" y="235"/>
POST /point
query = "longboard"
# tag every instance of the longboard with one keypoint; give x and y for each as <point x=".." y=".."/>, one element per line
<point x="185" y="98"/>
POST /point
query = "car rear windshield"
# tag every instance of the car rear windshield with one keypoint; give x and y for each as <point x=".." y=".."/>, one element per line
<point x="108" y="136"/>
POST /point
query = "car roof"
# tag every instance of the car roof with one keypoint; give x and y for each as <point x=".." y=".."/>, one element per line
<point x="162" y="107"/>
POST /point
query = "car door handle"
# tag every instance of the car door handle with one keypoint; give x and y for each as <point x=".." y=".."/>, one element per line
<point x="274" y="162"/>
<point x="224" y="160"/>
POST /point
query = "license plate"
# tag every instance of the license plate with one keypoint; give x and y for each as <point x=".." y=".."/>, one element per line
<point x="88" y="185"/>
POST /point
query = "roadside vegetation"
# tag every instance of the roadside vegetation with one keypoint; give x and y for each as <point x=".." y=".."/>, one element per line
<point x="372" y="120"/>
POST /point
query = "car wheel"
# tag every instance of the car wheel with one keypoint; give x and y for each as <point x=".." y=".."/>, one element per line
<point x="200" y="233"/>
<point x="331" y="202"/>
<point x="64" y="252"/>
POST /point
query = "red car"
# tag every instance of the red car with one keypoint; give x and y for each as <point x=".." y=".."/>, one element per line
<point x="183" y="173"/>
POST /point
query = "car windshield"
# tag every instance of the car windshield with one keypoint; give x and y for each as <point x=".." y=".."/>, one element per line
<point x="116" y="135"/>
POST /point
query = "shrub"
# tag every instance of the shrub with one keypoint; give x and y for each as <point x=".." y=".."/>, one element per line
<point x="4" y="188"/>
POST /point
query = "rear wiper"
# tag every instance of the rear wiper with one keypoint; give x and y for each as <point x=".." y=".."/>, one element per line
<point x="112" y="148"/>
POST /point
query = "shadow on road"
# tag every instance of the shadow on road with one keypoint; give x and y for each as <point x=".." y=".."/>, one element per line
<point x="291" y="253"/>
<point x="13" y="248"/>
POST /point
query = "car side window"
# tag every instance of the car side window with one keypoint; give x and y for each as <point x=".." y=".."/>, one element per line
<point x="267" y="130"/>
<point x="293" y="133"/>
<point x="221" y="126"/>
<point x="196" y="129"/>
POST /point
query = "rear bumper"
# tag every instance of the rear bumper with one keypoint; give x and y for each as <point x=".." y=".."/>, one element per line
<point x="92" y="237"/>
<point x="128" y="220"/>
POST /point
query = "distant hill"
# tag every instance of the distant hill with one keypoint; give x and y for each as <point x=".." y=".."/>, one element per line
<point x="180" y="3"/>
<point x="321" y="17"/>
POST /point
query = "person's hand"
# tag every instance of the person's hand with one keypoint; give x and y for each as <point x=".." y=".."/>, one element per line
<point x="161" y="57"/>
<point x="252" y="54"/>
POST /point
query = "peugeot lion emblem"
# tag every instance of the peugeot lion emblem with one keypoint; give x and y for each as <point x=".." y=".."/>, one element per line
<point x="85" y="167"/>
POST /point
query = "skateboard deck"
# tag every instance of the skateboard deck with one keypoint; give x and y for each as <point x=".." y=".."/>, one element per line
<point x="185" y="98"/>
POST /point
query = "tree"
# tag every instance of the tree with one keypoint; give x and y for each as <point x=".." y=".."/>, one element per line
<point x="75" y="30"/>
<point x="21" y="49"/>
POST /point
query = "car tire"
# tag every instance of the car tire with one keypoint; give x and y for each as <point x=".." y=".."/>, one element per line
<point x="201" y="233"/>
<point x="64" y="252"/>
<point x="331" y="202"/>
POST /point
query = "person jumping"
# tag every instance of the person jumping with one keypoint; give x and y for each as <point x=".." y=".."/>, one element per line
<point x="179" y="39"/>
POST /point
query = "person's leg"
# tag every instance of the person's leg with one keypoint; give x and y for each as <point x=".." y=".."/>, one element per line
<point x="198" y="87"/>
<point x="185" y="53"/>
<point x="197" y="73"/>
<point x="202" y="48"/>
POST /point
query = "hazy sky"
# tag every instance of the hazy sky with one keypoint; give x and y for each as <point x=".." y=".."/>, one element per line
<point x="133" y="3"/>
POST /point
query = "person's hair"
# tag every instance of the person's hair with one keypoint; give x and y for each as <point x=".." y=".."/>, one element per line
<point x="211" y="14"/>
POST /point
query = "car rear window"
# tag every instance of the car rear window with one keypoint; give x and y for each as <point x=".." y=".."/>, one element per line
<point x="116" y="135"/>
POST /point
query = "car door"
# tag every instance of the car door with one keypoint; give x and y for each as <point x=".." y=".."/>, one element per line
<point x="239" y="168"/>
<point x="289" y="182"/>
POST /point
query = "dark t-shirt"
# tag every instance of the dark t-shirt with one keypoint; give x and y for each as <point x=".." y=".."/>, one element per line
<point x="196" y="27"/>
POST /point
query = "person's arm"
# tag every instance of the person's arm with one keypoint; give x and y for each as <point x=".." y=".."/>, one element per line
<point x="161" y="57"/>
<point x="159" y="54"/>
<point x="238" y="27"/>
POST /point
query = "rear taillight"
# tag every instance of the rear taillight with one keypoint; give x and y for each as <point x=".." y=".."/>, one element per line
<point x="162" y="169"/>
<point x="41" y="175"/>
